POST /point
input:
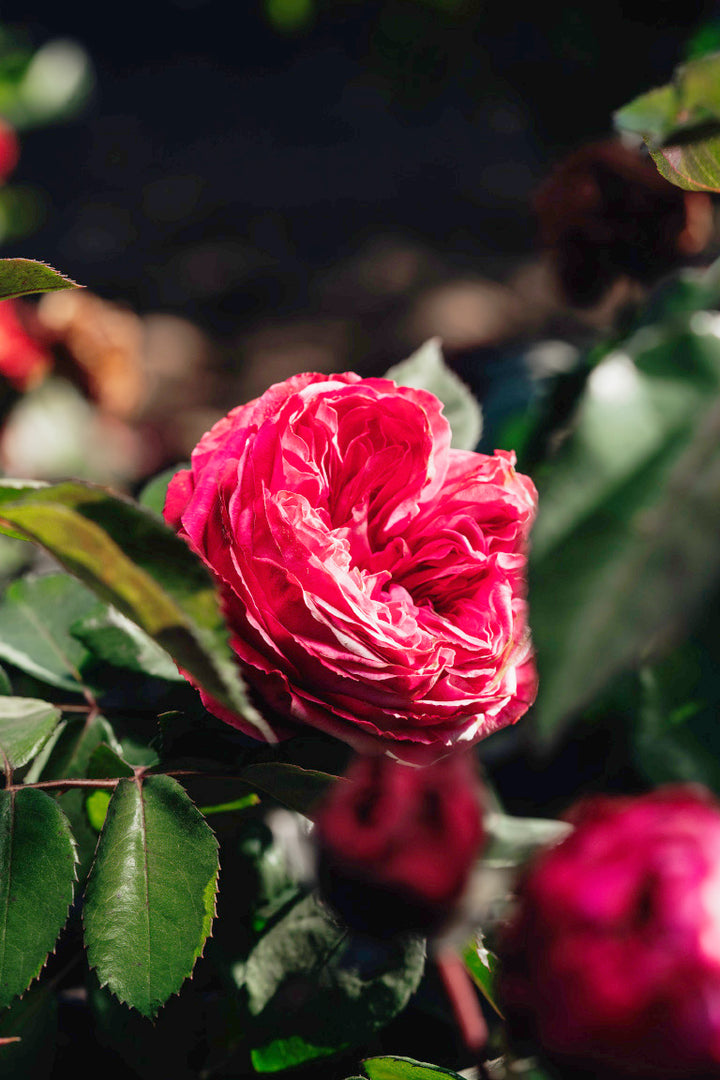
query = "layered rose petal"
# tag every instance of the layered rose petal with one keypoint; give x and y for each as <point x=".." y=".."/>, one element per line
<point x="373" y="578"/>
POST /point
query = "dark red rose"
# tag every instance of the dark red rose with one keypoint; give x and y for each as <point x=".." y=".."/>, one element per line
<point x="396" y="844"/>
<point x="612" y="962"/>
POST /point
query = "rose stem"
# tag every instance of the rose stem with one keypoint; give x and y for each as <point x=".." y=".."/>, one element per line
<point x="465" y="1005"/>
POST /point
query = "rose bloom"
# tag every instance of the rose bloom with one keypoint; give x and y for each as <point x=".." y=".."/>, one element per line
<point x="372" y="578"/>
<point x="396" y="844"/>
<point x="612" y="962"/>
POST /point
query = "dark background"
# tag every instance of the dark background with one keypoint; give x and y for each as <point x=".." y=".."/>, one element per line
<point x="224" y="164"/>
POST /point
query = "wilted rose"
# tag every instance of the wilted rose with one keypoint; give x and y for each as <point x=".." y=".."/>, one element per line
<point x="396" y="844"/>
<point x="612" y="962"/>
<point x="373" y="578"/>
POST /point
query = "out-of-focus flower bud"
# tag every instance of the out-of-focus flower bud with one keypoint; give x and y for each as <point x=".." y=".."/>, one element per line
<point x="9" y="150"/>
<point x="612" y="962"/>
<point x="24" y="361"/>
<point x="396" y="844"/>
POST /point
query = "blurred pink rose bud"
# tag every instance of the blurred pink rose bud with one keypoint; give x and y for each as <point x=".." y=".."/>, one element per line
<point x="24" y="360"/>
<point x="612" y="961"/>
<point x="396" y="844"/>
<point x="9" y="150"/>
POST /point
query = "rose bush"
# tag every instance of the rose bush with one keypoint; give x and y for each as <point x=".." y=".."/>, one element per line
<point x="612" y="961"/>
<point x="373" y="578"/>
<point x="396" y="844"/>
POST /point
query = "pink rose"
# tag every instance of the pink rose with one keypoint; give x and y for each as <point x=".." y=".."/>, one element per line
<point x="612" y="961"/>
<point x="396" y="844"/>
<point x="24" y="361"/>
<point x="373" y="578"/>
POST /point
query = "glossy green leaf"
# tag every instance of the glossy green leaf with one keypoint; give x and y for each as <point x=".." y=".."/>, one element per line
<point x="25" y="727"/>
<point x="135" y="562"/>
<point x="113" y="638"/>
<point x="483" y="966"/>
<point x="36" y="614"/>
<point x="402" y="1068"/>
<point x="20" y="277"/>
<point x="37" y="873"/>
<point x="150" y="897"/>
<point x="426" y="370"/>
<point x="315" y="990"/>
<point x="680" y="123"/>
<point x="625" y="545"/>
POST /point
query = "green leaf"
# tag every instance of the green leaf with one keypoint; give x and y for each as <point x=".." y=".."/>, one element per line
<point x="153" y="494"/>
<point x="694" y="167"/>
<point x="483" y="967"/>
<point x="511" y="840"/>
<point x="680" y="123"/>
<point x="150" y="897"/>
<point x="20" y="277"/>
<point x="37" y="873"/>
<point x="135" y="562"/>
<point x="402" y="1068"/>
<point x="25" y="727"/>
<point x="33" y="1019"/>
<point x="35" y="619"/>
<point x="426" y="370"/>
<point x="625" y="546"/>
<point x="112" y="637"/>
<point x="96" y="808"/>
<point x="314" y="990"/>
<point x="297" y="788"/>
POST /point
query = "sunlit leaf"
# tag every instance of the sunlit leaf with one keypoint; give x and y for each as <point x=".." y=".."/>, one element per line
<point x="680" y="123"/>
<point x="37" y="873"/>
<point x="135" y="562"/>
<point x="150" y="897"/>
<point x="426" y="370"/>
<point x="403" y="1068"/>
<point x="19" y="277"/>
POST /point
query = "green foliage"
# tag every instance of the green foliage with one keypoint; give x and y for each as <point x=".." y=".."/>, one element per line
<point x="483" y="967"/>
<point x="426" y="370"/>
<point x="135" y="562"/>
<point x="403" y="1068"/>
<point x="25" y="727"/>
<point x="21" y="277"/>
<point x="37" y="873"/>
<point x="314" y="990"/>
<point x="36" y="617"/>
<point x="616" y="572"/>
<point x="150" y="897"/>
<point x="680" y="123"/>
